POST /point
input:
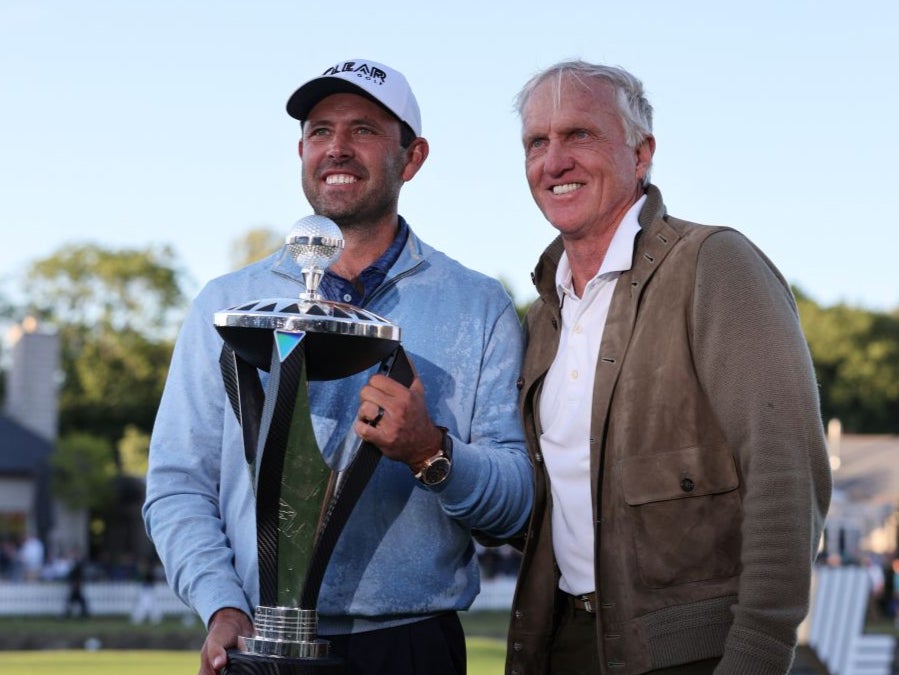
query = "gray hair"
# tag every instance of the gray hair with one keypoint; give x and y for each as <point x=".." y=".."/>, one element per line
<point x="635" y="109"/>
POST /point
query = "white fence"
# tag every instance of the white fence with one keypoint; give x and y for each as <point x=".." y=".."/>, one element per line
<point x="835" y="627"/>
<point x="104" y="598"/>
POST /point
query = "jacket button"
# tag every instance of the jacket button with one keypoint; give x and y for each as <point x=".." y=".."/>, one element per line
<point x="538" y="456"/>
<point x="518" y="614"/>
<point x="519" y="384"/>
<point x="517" y="646"/>
<point x="687" y="485"/>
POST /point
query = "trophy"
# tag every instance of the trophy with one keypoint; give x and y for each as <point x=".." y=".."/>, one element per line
<point x="300" y="508"/>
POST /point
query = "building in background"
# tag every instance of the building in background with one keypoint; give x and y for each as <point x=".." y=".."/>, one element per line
<point x="864" y="512"/>
<point x="28" y="432"/>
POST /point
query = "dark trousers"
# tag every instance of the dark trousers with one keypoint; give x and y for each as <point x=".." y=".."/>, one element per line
<point x="434" y="646"/>
<point x="574" y="652"/>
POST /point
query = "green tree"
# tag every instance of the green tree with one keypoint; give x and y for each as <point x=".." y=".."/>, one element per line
<point x="255" y="245"/>
<point x="116" y="311"/>
<point x="83" y="471"/>
<point x="134" y="448"/>
<point x="856" y="357"/>
<point x="89" y="286"/>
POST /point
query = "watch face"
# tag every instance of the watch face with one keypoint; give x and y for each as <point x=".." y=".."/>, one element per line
<point x="437" y="472"/>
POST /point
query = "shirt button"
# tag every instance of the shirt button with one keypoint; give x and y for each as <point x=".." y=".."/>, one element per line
<point x="578" y="329"/>
<point x="687" y="485"/>
<point x="347" y="297"/>
<point x="574" y="374"/>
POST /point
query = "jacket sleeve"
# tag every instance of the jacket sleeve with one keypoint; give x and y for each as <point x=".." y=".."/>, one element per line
<point x="182" y="511"/>
<point x="754" y="364"/>
<point x="491" y="487"/>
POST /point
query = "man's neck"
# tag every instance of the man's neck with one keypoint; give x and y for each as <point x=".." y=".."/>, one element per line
<point x="362" y="247"/>
<point x="586" y="253"/>
<point x="585" y="257"/>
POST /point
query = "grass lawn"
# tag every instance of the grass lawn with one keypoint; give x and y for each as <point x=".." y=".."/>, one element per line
<point x="486" y="633"/>
<point x="486" y="656"/>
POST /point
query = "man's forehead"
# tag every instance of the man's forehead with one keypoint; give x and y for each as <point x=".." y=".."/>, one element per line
<point x="348" y="104"/>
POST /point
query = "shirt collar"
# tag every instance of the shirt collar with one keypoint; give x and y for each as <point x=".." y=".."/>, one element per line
<point x="619" y="257"/>
<point x="337" y="288"/>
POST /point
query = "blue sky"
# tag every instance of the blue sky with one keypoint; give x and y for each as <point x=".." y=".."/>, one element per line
<point x="131" y="122"/>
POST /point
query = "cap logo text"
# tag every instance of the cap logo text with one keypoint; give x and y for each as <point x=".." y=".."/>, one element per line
<point x="361" y="70"/>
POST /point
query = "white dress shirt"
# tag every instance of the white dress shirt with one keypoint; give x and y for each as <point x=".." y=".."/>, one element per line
<point x="566" y="402"/>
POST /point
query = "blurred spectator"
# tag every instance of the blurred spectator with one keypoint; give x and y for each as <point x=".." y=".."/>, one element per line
<point x="7" y="558"/>
<point x="498" y="560"/>
<point x="31" y="556"/>
<point x="885" y="604"/>
<point x="876" y="584"/>
<point x="894" y="592"/>
<point x="146" y="607"/>
<point x="76" y="590"/>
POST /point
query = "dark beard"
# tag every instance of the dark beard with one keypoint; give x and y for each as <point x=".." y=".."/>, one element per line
<point x="373" y="207"/>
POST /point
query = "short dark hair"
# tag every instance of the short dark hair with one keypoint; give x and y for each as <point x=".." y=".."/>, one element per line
<point x="406" y="135"/>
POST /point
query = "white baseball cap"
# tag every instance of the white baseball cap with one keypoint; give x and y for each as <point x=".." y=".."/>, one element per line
<point x="359" y="76"/>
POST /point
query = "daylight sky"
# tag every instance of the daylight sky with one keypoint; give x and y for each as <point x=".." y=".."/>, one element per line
<point x="135" y="122"/>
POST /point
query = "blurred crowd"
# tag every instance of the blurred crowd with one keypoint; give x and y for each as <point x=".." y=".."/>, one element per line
<point x="498" y="561"/>
<point x="26" y="559"/>
<point x="883" y="578"/>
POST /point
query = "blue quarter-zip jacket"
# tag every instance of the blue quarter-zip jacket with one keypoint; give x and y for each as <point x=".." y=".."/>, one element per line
<point x="407" y="551"/>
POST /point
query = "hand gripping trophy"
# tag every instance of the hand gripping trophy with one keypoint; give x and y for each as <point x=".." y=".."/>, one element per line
<point x="300" y="510"/>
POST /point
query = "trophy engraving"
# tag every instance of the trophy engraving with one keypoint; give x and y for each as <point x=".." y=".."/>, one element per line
<point x="298" y="519"/>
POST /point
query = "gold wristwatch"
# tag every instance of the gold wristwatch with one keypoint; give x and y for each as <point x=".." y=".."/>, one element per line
<point x="437" y="469"/>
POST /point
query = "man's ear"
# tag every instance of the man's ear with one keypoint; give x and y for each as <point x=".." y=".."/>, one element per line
<point x="644" y="152"/>
<point x="416" y="154"/>
<point x="300" y="148"/>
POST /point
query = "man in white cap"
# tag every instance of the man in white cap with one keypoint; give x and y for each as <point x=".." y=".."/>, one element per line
<point x="452" y="444"/>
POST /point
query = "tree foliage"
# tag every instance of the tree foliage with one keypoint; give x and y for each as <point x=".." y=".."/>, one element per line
<point x="83" y="471"/>
<point x="856" y="358"/>
<point x="255" y="245"/>
<point x="109" y="290"/>
<point x="134" y="448"/>
<point x="116" y="313"/>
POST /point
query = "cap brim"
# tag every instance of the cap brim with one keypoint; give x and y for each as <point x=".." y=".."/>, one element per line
<point x="304" y="99"/>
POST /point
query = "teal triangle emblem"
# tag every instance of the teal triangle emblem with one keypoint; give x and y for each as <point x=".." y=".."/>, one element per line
<point x="287" y="341"/>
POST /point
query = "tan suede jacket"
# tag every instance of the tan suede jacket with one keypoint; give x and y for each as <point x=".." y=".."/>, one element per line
<point x="709" y="467"/>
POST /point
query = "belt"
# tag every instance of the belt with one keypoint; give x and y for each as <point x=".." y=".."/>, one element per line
<point x="585" y="603"/>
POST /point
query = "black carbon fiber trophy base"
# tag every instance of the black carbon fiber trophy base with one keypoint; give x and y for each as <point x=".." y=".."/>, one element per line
<point x="244" y="663"/>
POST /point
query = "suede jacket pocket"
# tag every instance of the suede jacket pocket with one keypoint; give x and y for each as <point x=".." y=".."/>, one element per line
<point x="685" y="511"/>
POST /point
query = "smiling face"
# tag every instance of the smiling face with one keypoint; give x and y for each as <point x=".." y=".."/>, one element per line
<point x="582" y="174"/>
<point x="353" y="163"/>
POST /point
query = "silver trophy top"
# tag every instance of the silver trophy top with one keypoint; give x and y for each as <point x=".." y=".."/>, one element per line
<point x="315" y="243"/>
<point x="341" y="339"/>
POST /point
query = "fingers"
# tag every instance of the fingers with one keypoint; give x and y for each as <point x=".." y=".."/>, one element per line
<point x="382" y="397"/>
<point x="394" y="418"/>
<point x="373" y="422"/>
<point x="370" y="414"/>
<point x="226" y="628"/>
